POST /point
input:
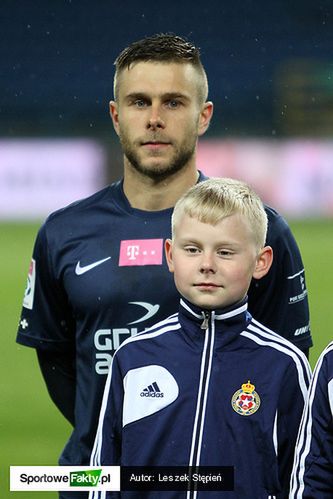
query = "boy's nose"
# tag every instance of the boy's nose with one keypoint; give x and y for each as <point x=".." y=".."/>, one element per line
<point x="207" y="264"/>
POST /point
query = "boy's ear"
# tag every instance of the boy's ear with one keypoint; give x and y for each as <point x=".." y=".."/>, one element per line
<point x="168" y="254"/>
<point x="264" y="262"/>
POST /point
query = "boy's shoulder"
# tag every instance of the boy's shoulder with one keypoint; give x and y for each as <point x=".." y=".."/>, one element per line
<point x="277" y="344"/>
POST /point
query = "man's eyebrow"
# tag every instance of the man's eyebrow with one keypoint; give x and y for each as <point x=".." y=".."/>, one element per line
<point x="175" y="95"/>
<point x="136" y="95"/>
<point x="166" y="96"/>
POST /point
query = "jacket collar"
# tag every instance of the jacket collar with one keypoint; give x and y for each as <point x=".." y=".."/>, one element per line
<point x="234" y="318"/>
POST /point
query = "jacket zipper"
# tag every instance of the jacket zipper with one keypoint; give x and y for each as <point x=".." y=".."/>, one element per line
<point x="205" y="372"/>
<point x="206" y="318"/>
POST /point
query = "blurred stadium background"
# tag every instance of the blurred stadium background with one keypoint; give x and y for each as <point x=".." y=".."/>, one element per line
<point x="270" y="67"/>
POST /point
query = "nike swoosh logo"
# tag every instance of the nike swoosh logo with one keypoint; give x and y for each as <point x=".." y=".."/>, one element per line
<point x="82" y="270"/>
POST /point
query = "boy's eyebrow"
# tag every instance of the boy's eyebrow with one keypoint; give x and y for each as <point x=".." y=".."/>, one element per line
<point x="193" y="240"/>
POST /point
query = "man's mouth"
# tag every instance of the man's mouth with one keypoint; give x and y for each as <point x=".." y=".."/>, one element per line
<point x="154" y="144"/>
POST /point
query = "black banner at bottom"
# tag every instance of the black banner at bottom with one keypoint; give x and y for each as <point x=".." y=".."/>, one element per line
<point x="177" y="478"/>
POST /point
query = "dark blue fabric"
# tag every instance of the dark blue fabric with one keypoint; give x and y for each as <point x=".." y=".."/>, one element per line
<point x="87" y="316"/>
<point x="277" y="370"/>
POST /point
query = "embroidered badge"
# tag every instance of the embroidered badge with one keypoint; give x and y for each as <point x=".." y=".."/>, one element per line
<point x="246" y="401"/>
<point x="29" y="293"/>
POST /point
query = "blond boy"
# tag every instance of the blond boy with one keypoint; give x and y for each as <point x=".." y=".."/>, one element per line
<point x="209" y="386"/>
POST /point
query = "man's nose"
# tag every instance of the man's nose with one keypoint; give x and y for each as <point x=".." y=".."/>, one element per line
<point x="155" y="119"/>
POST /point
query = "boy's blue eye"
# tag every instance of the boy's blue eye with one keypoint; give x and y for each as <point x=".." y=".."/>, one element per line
<point x="225" y="252"/>
<point x="191" y="249"/>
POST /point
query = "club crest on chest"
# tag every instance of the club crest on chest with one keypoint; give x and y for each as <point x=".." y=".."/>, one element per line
<point x="246" y="401"/>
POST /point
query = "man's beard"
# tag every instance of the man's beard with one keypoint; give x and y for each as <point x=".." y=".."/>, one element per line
<point x="159" y="172"/>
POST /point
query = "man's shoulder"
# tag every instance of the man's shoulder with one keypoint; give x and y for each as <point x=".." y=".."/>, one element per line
<point x="87" y="211"/>
<point x="82" y="205"/>
<point x="275" y="219"/>
<point x="279" y="233"/>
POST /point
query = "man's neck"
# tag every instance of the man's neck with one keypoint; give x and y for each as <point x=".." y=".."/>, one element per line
<point x="144" y="193"/>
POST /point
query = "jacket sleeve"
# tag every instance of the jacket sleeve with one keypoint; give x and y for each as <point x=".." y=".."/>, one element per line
<point x="312" y="475"/>
<point x="293" y="396"/>
<point x="280" y="299"/>
<point x="107" y="446"/>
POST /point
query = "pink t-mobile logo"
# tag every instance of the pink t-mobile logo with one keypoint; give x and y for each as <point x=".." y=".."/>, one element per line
<point x="141" y="252"/>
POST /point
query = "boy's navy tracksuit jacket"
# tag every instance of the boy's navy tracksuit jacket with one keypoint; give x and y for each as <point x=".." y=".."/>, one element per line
<point x="210" y="389"/>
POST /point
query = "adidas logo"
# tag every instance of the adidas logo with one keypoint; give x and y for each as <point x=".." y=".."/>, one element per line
<point x="152" y="391"/>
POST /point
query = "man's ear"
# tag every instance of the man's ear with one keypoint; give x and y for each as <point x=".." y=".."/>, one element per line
<point x="205" y="117"/>
<point x="264" y="262"/>
<point x="114" y="115"/>
<point x="168" y="254"/>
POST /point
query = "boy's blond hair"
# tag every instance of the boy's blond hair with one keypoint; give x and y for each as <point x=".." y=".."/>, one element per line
<point x="214" y="199"/>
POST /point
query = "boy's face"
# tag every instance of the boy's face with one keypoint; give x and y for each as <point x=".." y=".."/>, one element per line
<point x="213" y="264"/>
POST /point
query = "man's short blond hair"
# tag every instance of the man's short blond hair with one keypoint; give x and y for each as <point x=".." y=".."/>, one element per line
<point x="214" y="199"/>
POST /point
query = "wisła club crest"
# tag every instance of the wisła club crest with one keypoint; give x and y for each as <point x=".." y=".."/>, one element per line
<point x="246" y="401"/>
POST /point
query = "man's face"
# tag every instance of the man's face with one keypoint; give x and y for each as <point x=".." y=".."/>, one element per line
<point x="212" y="264"/>
<point x="158" y="116"/>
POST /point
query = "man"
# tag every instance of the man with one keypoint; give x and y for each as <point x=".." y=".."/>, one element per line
<point x="98" y="274"/>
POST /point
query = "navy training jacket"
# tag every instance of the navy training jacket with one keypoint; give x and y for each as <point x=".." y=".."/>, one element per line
<point x="312" y="475"/>
<point x="205" y="388"/>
